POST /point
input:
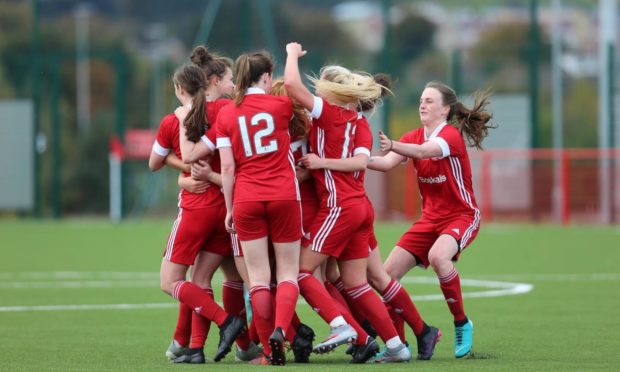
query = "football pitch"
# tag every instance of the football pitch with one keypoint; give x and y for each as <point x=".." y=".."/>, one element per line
<point x="84" y="295"/>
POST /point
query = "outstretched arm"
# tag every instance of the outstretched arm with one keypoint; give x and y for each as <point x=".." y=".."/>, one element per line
<point x="292" y="79"/>
<point x="352" y="164"/>
<point x="429" y="149"/>
<point x="386" y="162"/>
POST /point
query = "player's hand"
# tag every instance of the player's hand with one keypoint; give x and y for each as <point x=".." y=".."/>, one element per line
<point x="302" y="173"/>
<point x="228" y="222"/>
<point x="311" y="161"/>
<point x="385" y="143"/>
<point x="193" y="186"/>
<point x="295" y="49"/>
<point x="181" y="113"/>
<point x="201" y="170"/>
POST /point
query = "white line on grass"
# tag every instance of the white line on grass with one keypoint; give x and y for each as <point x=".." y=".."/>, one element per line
<point x="499" y="289"/>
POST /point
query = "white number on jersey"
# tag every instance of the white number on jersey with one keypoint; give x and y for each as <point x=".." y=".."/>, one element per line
<point x="272" y="146"/>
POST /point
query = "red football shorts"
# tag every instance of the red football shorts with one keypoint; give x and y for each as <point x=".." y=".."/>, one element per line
<point x="341" y="232"/>
<point x="309" y="209"/>
<point x="279" y="219"/>
<point x="421" y="236"/>
<point x="195" y="230"/>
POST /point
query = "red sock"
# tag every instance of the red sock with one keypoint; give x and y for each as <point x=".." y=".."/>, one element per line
<point x="336" y="295"/>
<point x="184" y="325"/>
<point x="262" y="314"/>
<point x="317" y="297"/>
<point x="286" y="300"/>
<point x="355" y="310"/>
<point x="343" y="307"/>
<point x="401" y="302"/>
<point x="451" y="287"/>
<point x="253" y="333"/>
<point x="295" y="322"/>
<point x="234" y="304"/>
<point x="194" y="297"/>
<point x="200" y="326"/>
<point x="365" y="297"/>
<point x="398" y="321"/>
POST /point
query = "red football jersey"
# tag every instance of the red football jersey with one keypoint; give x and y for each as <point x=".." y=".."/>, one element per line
<point x="257" y="131"/>
<point x="307" y="189"/>
<point x="333" y="135"/>
<point x="168" y="139"/>
<point x="363" y="139"/>
<point x="445" y="183"/>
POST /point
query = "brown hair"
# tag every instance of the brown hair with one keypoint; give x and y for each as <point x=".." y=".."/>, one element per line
<point x="386" y="85"/>
<point x="299" y="126"/>
<point x="211" y="63"/>
<point x="193" y="80"/>
<point x="249" y="67"/>
<point x="473" y="123"/>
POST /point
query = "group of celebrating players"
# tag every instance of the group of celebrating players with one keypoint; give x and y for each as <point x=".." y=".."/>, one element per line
<point x="272" y="192"/>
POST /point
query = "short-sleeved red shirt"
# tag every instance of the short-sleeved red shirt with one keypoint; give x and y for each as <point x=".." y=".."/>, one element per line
<point x="168" y="140"/>
<point x="257" y="132"/>
<point x="445" y="183"/>
<point x="333" y="135"/>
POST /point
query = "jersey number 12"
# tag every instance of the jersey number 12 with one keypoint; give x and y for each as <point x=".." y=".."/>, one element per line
<point x="272" y="146"/>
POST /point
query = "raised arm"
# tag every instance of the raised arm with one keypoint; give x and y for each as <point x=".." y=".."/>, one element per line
<point x="292" y="79"/>
<point x="190" y="151"/>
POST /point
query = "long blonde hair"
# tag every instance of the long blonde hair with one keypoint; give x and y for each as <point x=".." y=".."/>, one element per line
<point x="342" y="86"/>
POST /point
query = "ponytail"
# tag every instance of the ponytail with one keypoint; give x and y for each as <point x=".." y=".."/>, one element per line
<point x="473" y="123"/>
<point x="193" y="80"/>
<point x="196" y="121"/>
<point x="249" y="67"/>
<point x="242" y="72"/>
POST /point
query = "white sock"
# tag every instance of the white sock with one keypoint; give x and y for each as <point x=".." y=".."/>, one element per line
<point x="337" y="322"/>
<point x="393" y="342"/>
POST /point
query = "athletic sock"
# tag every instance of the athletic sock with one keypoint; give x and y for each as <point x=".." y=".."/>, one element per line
<point x="194" y="297"/>
<point x="377" y="314"/>
<point x="183" y="328"/>
<point x="234" y="304"/>
<point x="398" y="298"/>
<point x="262" y="314"/>
<point x="343" y="307"/>
<point x="200" y="326"/>
<point x="398" y="321"/>
<point x="451" y="287"/>
<point x="317" y="296"/>
<point x="286" y="300"/>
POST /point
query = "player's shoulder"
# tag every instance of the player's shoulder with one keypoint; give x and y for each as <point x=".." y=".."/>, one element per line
<point x="451" y="134"/>
<point x="169" y="120"/>
<point x="415" y="136"/>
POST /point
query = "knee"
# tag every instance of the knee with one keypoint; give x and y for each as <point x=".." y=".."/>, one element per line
<point x="202" y="280"/>
<point x="165" y="286"/>
<point x="437" y="261"/>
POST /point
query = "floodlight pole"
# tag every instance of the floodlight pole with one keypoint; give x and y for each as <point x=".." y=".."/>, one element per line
<point x="82" y="19"/>
<point x="607" y="38"/>
<point x="36" y="98"/>
<point x="556" y="98"/>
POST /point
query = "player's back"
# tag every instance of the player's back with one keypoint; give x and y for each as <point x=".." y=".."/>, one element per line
<point x="257" y="131"/>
